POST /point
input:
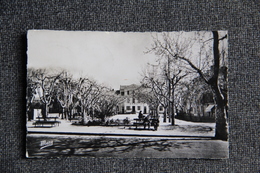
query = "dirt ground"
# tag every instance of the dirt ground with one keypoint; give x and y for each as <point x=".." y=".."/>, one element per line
<point x="130" y="147"/>
<point x="181" y="127"/>
<point x="183" y="140"/>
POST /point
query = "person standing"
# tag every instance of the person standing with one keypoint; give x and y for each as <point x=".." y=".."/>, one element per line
<point x="140" y="116"/>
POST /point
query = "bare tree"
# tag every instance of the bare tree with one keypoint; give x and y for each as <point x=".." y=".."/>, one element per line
<point x="107" y="104"/>
<point x="65" y="91"/>
<point x="159" y="91"/>
<point x="145" y="94"/>
<point x="163" y="83"/>
<point x="193" y="96"/>
<point x="45" y="84"/>
<point x="30" y="91"/>
<point x="88" y="92"/>
<point x="181" y="50"/>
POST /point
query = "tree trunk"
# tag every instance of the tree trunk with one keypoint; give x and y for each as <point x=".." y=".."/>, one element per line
<point x="172" y="106"/>
<point x="169" y="113"/>
<point x="173" y="121"/>
<point x="66" y="113"/>
<point x="70" y="113"/>
<point x="221" y="122"/>
<point x="85" y="114"/>
<point x="220" y="113"/>
<point x="44" y="111"/>
<point x="30" y="114"/>
<point x="62" y="115"/>
<point x="221" y="125"/>
<point x="164" y="115"/>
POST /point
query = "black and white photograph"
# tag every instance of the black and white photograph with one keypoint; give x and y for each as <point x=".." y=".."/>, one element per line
<point x="127" y="94"/>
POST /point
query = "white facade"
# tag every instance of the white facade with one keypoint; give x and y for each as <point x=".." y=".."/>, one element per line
<point x="131" y="103"/>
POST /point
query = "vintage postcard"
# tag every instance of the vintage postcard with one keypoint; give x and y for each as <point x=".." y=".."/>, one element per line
<point x="127" y="94"/>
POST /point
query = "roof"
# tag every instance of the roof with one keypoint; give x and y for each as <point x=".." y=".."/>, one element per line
<point x="129" y="87"/>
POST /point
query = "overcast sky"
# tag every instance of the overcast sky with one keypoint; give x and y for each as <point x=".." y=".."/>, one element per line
<point x="111" y="58"/>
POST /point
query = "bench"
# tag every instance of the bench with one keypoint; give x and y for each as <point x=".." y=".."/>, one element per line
<point x="43" y="123"/>
<point x="51" y="121"/>
<point x="76" y="120"/>
<point x="140" y="122"/>
<point x="47" y="118"/>
<point x="152" y="122"/>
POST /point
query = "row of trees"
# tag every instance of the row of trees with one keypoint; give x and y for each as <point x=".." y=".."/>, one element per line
<point x="182" y="58"/>
<point x="94" y="100"/>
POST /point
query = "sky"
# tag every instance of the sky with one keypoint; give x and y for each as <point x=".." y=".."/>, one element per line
<point x="111" y="58"/>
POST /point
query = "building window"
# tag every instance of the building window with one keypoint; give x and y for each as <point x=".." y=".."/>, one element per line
<point x="122" y="93"/>
<point x="133" y="100"/>
<point x="138" y="107"/>
<point x="127" y="92"/>
<point x="160" y="108"/>
<point x="128" y="108"/>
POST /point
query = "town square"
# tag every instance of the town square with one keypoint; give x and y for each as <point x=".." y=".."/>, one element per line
<point x="108" y="94"/>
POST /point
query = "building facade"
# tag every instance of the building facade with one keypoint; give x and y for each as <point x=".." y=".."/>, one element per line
<point x="131" y="104"/>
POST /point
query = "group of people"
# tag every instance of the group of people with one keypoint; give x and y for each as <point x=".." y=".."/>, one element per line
<point x="140" y="115"/>
<point x="146" y="121"/>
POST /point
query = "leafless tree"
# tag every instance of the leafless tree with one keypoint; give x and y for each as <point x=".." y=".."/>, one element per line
<point x="88" y="92"/>
<point x="44" y="84"/>
<point x="107" y="103"/>
<point x="65" y="93"/>
<point x="30" y="91"/>
<point x="163" y="82"/>
<point x="145" y="94"/>
<point x="198" y="53"/>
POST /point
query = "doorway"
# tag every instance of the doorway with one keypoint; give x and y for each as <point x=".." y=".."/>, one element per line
<point x="145" y="110"/>
<point x="133" y="109"/>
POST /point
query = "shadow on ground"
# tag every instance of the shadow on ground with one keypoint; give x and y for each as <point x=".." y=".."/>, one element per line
<point x="123" y="147"/>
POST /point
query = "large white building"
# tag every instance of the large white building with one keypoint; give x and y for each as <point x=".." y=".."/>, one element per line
<point x="131" y="103"/>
